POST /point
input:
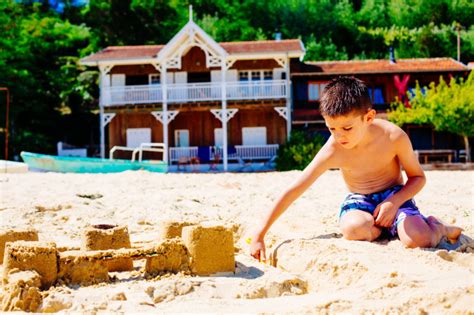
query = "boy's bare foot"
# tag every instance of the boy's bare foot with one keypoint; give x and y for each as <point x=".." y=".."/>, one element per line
<point x="451" y="232"/>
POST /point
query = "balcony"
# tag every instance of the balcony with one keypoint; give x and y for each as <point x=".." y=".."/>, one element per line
<point x="194" y="92"/>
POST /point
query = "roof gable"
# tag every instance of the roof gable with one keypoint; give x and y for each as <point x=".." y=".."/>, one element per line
<point x="189" y="36"/>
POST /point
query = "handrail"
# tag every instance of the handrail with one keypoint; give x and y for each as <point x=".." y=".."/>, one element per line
<point x="116" y="148"/>
<point x="193" y="92"/>
<point x="150" y="147"/>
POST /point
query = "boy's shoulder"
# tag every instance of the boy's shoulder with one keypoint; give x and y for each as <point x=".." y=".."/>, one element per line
<point x="389" y="129"/>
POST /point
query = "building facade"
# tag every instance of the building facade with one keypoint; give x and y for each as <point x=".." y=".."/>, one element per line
<point x="234" y="101"/>
<point x="198" y="97"/>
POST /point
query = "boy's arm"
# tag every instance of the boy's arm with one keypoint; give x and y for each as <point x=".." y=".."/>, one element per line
<point x="318" y="165"/>
<point x="415" y="181"/>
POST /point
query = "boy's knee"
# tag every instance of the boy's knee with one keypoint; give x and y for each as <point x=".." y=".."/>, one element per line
<point x="416" y="239"/>
<point x="357" y="231"/>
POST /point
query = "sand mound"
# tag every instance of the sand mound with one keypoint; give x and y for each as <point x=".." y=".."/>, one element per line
<point x="388" y="281"/>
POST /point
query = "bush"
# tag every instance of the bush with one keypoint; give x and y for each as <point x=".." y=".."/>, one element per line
<point x="298" y="151"/>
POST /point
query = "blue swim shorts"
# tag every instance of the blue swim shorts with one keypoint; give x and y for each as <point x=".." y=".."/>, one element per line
<point x="369" y="202"/>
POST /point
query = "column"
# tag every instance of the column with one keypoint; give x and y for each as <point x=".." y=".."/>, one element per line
<point x="102" y="102"/>
<point x="165" y="111"/>
<point x="288" y="97"/>
<point x="224" y="112"/>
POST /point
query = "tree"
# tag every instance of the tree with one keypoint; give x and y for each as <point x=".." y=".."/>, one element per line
<point x="298" y="151"/>
<point x="34" y="47"/>
<point x="448" y="107"/>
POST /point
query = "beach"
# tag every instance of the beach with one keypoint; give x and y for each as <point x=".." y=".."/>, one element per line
<point x="317" y="271"/>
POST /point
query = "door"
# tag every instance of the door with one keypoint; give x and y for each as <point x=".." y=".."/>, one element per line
<point x="218" y="141"/>
<point x="117" y="96"/>
<point x="199" y="77"/>
<point x="181" y="138"/>
<point x="199" y="93"/>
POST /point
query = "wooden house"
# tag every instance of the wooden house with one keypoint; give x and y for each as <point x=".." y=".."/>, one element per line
<point x="387" y="80"/>
<point x="200" y="98"/>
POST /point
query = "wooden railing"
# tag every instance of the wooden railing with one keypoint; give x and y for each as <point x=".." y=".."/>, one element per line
<point x="194" y="92"/>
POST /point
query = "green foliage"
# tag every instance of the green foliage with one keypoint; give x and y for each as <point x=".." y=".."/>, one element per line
<point x="34" y="47"/>
<point x="447" y="107"/>
<point x="392" y="35"/>
<point x="298" y="151"/>
<point x="323" y="50"/>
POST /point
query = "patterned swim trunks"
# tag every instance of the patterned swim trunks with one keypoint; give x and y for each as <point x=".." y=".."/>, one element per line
<point x="369" y="202"/>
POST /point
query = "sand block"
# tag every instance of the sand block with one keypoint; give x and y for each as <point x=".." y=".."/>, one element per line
<point x="102" y="237"/>
<point x="211" y="249"/>
<point x="21" y="292"/>
<point x="171" y="229"/>
<point x="12" y="235"/>
<point x="39" y="256"/>
<point x="169" y="256"/>
<point x="84" y="268"/>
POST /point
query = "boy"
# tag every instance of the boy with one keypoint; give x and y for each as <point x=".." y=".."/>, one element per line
<point x="370" y="153"/>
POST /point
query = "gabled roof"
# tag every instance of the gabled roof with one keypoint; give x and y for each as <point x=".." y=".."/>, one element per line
<point x="381" y="66"/>
<point x="148" y="52"/>
<point x="191" y="34"/>
<point x="124" y="52"/>
<point x="262" y="46"/>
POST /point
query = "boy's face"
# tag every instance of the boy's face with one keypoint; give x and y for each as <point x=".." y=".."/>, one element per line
<point x="349" y="130"/>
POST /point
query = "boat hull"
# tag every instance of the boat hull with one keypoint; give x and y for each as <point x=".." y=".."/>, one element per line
<point x="67" y="164"/>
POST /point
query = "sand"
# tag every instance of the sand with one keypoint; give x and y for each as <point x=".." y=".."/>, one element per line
<point x="318" y="271"/>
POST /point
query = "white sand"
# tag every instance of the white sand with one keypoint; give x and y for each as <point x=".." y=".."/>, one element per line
<point x="340" y="276"/>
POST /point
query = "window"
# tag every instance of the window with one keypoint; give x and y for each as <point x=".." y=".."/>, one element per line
<point x="181" y="138"/>
<point x="243" y="76"/>
<point x="315" y="90"/>
<point x="254" y="136"/>
<point x="154" y="78"/>
<point x="255" y="75"/>
<point x="267" y="75"/>
<point x="137" y="136"/>
<point x="376" y="95"/>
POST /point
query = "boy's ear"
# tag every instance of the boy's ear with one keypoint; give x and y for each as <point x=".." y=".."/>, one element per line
<point x="370" y="116"/>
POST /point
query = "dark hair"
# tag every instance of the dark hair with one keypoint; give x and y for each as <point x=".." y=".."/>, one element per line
<point x="344" y="95"/>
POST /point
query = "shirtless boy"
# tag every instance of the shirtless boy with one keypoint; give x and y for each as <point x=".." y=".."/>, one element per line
<point x="370" y="153"/>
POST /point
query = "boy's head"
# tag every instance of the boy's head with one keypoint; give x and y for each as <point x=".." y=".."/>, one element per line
<point x="347" y="111"/>
<point x="344" y="96"/>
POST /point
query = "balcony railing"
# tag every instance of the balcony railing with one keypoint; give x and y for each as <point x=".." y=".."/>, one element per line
<point x="235" y="153"/>
<point x="194" y="92"/>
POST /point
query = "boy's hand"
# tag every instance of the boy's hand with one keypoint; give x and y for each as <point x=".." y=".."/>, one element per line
<point x="385" y="214"/>
<point x="257" y="249"/>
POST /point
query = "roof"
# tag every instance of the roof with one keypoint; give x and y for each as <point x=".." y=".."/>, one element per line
<point x="381" y="66"/>
<point x="263" y="46"/>
<point x="150" y="51"/>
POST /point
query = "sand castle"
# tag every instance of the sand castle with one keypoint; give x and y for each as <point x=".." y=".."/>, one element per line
<point x="30" y="265"/>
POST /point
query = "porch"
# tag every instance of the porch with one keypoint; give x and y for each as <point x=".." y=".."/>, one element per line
<point x="194" y="92"/>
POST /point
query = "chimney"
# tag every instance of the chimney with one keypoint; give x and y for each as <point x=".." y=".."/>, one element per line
<point x="277" y="35"/>
<point x="392" y="55"/>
